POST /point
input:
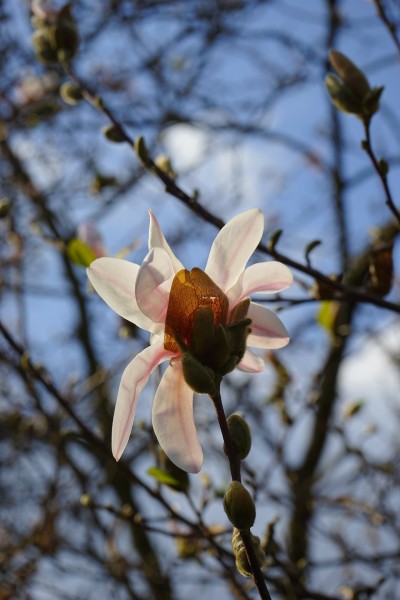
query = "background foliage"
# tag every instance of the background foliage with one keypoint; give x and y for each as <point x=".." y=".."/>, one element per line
<point x="232" y="92"/>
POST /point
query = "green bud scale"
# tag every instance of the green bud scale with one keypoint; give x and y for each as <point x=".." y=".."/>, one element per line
<point x="239" y="506"/>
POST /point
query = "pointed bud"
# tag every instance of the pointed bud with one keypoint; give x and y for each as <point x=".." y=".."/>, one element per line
<point x="198" y="377"/>
<point x="352" y="76"/>
<point x="239" y="506"/>
<point x="141" y="149"/>
<point x="163" y="162"/>
<point x="240" y="435"/>
<point x="342" y="96"/>
<point x="113" y="133"/>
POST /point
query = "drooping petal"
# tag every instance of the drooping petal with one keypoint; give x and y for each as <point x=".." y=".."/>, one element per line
<point x="267" y="331"/>
<point x="114" y="280"/>
<point x="153" y="284"/>
<point x="251" y="363"/>
<point x="134" y="378"/>
<point x="266" y="277"/>
<point x="233" y="246"/>
<point x="173" y="421"/>
<point x="157" y="240"/>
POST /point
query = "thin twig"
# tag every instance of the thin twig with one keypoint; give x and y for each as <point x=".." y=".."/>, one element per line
<point x="234" y="464"/>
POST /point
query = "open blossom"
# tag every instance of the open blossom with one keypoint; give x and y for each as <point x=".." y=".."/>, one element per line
<point x="164" y="298"/>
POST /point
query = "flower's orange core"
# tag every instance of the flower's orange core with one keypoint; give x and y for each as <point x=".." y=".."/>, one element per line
<point x="191" y="290"/>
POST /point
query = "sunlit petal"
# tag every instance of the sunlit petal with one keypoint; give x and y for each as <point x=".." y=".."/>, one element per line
<point x="265" y="277"/>
<point x="114" y="280"/>
<point x="251" y="363"/>
<point x="233" y="246"/>
<point x="134" y="378"/>
<point x="153" y="284"/>
<point x="157" y="240"/>
<point x="173" y="421"/>
<point x="267" y="330"/>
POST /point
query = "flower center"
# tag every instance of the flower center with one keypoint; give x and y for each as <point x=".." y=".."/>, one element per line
<point x="190" y="291"/>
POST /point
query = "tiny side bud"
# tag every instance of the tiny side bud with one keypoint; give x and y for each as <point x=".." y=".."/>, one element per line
<point x="240" y="434"/>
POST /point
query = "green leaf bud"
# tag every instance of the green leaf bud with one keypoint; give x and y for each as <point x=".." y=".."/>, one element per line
<point x="239" y="506"/>
<point x="163" y="162"/>
<point x="310" y="247"/>
<point x="352" y="76"/>
<point x="113" y="133"/>
<point x="200" y="378"/>
<point x="240" y="434"/>
<point x="342" y="96"/>
<point x="141" y="149"/>
<point x="71" y="93"/>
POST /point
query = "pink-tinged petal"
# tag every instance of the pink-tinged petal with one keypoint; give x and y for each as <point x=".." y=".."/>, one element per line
<point x="134" y="378"/>
<point x="233" y="246"/>
<point x="251" y="363"/>
<point x="157" y="240"/>
<point x="114" y="280"/>
<point x="153" y="284"/>
<point x="267" y="331"/>
<point x="173" y="421"/>
<point x="266" y="277"/>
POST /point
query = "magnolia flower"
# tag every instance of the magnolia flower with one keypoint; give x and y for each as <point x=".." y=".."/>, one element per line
<point x="162" y="297"/>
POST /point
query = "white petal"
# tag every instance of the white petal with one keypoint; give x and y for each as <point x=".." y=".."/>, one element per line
<point x="114" y="280"/>
<point x="267" y="331"/>
<point x="134" y="378"/>
<point x="265" y="277"/>
<point x="233" y="246"/>
<point x="173" y="421"/>
<point x="153" y="284"/>
<point x="251" y="363"/>
<point x="157" y="240"/>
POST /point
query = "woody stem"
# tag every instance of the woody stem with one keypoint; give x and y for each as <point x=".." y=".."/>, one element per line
<point x="234" y="464"/>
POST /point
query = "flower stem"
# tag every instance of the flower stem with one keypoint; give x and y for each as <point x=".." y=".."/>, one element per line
<point x="234" y="464"/>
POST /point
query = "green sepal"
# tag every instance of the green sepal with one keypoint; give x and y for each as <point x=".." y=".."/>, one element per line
<point x="198" y="377"/>
<point x="203" y="333"/>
